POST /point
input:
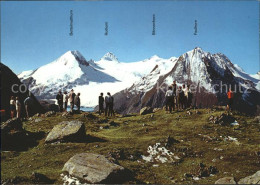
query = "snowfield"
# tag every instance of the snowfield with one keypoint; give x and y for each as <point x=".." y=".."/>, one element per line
<point x="90" y="78"/>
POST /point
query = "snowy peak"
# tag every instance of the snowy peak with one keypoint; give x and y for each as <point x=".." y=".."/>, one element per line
<point x="72" y="56"/>
<point x="109" y="57"/>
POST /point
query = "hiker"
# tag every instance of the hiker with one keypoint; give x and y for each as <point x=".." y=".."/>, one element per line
<point x="185" y="98"/>
<point x="71" y="99"/>
<point x="180" y="96"/>
<point x="12" y="106"/>
<point x="66" y="99"/>
<point x="77" y="102"/>
<point x="101" y="104"/>
<point x="230" y="95"/>
<point x="28" y="102"/>
<point x="111" y="106"/>
<point x="107" y="104"/>
<point x="174" y="89"/>
<point x="169" y="99"/>
<point x="18" y="107"/>
<point x="189" y="98"/>
<point x="59" y="99"/>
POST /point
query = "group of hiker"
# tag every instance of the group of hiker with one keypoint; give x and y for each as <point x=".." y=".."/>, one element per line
<point x="15" y="106"/>
<point x="178" y="97"/>
<point x="65" y="98"/>
<point x="109" y="104"/>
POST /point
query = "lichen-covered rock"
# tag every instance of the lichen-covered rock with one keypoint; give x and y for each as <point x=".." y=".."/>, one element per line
<point x="11" y="124"/>
<point x="94" y="168"/>
<point x="253" y="179"/>
<point x="226" y="180"/>
<point x="50" y="113"/>
<point x="67" y="131"/>
<point x="146" y="110"/>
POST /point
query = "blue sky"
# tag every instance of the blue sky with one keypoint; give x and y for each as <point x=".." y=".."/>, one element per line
<point x="36" y="33"/>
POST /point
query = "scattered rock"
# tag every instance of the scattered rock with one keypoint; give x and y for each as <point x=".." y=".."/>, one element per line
<point x="226" y="180"/>
<point x="256" y="119"/>
<point x="223" y="119"/>
<point x="90" y="116"/>
<point x="156" y="109"/>
<point x="94" y="168"/>
<point x="67" y="131"/>
<point x="114" y="124"/>
<point x="253" y="179"/>
<point x="67" y="114"/>
<point x="49" y="114"/>
<point x="38" y="120"/>
<point x="146" y="110"/>
<point x="189" y="113"/>
<point x="170" y="141"/>
<point x="198" y="112"/>
<point x="11" y="124"/>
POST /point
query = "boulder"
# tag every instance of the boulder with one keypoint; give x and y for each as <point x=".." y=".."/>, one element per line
<point x="223" y="119"/>
<point x="50" y="113"/>
<point x="94" y="168"/>
<point x="226" y="180"/>
<point x="253" y="179"/>
<point x="11" y="124"/>
<point x="256" y="119"/>
<point x="146" y="110"/>
<point x="67" y="131"/>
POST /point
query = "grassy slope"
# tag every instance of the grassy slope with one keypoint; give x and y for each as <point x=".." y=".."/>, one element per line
<point x="133" y="138"/>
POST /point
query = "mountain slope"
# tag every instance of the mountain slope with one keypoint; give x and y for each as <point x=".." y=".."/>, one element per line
<point x="209" y="76"/>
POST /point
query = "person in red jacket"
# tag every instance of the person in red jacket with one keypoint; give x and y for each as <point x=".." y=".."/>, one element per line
<point x="230" y="96"/>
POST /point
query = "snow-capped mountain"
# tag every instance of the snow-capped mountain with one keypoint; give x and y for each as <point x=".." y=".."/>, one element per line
<point x="210" y="75"/>
<point x="72" y="70"/>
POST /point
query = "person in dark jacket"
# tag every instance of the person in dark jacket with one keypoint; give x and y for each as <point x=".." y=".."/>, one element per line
<point x="111" y="106"/>
<point x="169" y="99"/>
<point x="59" y="99"/>
<point x="107" y="104"/>
<point x="77" y="102"/>
<point x="174" y="89"/>
<point x="101" y="104"/>
<point x="180" y="96"/>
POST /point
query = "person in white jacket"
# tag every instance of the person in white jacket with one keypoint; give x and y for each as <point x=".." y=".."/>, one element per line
<point x="18" y="107"/>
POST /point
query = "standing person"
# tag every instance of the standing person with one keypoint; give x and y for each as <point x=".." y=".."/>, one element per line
<point x="230" y="95"/>
<point x="59" y="99"/>
<point x="174" y="89"/>
<point x="180" y="95"/>
<point x="111" y="106"/>
<point x="66" y="99"/>
<point x="107" y="99"/>
<point x="71" y="99"/>
<point x="77" y="102"/>
<point x="189" y="97"/>
<point x="185" y="98"/>
<point x="101" y="104"/>
<point x="28" y="102"/>
<point x="18" y="107"/>
<point x="12" y="106"/>
<point x="169" y="99"/>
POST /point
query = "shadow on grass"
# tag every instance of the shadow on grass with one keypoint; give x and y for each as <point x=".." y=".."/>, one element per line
<point x="20" y="140"/>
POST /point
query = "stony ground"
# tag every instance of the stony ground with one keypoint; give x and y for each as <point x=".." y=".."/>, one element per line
<point x="194" y="145"/>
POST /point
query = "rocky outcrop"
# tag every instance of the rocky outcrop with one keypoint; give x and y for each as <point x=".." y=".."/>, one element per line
<point x="226" y="180"/>
<point x="253" y="179"/>
<point x="223" y="119"/>
<point x="9" y="86"/>
<point x="94" y="168"/>
<point x="146" y="110"/>
<point x="67" y="131"/>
